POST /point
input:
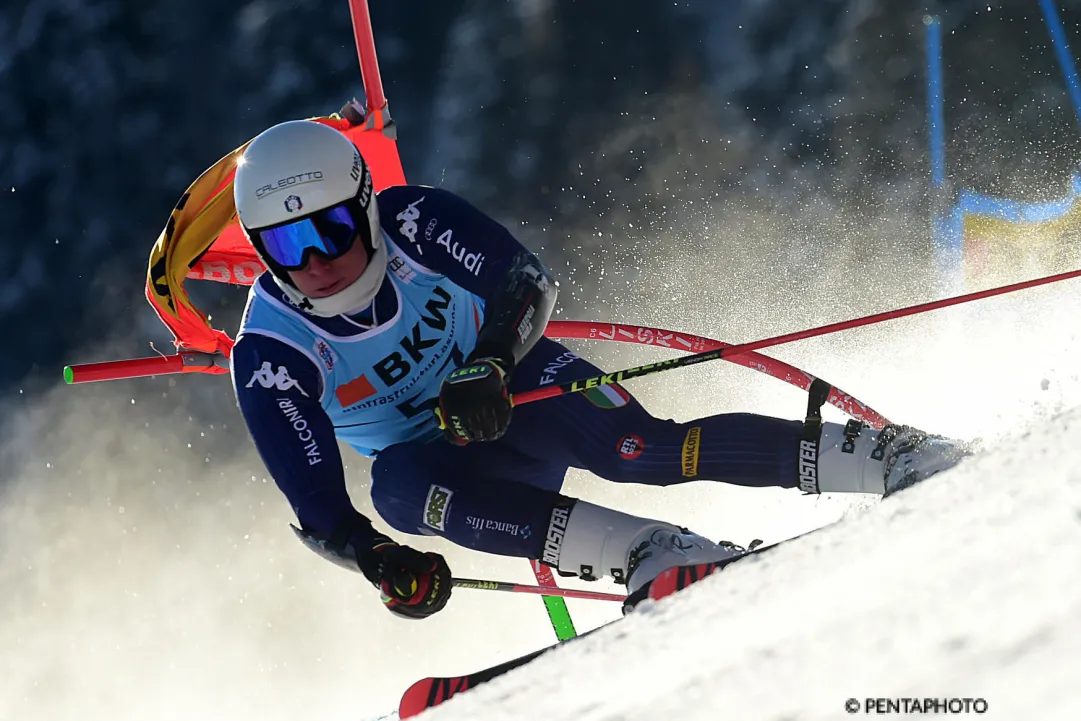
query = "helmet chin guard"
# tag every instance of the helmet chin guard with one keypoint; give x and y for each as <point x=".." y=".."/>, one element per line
<point x="292" y="171"/>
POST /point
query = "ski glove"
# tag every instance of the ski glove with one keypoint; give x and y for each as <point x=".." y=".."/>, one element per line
<point x="413" y="584"/>
<point x="474" y="404"/>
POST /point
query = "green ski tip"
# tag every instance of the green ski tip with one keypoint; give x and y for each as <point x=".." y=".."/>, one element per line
<point x="69" y="375"/>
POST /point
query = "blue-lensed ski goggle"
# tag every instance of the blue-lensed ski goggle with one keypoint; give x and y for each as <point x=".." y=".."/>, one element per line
<point x="330" y="232"/>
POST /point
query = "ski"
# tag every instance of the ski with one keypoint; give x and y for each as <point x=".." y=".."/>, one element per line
<point x="677" y="578"/>
<point x="433" y="691"/>
<point x="429" y="692"/>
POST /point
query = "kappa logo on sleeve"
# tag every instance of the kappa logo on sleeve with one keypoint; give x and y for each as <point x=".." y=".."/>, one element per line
<point x="281" y="380"/>
<point x="408" y="219"/>
<point x="437" y="507"/>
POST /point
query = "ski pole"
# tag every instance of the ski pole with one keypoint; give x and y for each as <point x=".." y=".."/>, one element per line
<point x="583" y="384"/>
<point x="485" y="585"/>
<point x="558" y="614"/>
<point x="183" y="362"/>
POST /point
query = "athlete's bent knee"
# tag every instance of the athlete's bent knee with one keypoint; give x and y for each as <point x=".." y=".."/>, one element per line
<point x="400" y="488"/>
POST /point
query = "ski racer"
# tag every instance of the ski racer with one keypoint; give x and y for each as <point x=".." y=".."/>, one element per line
<point x="399" y="322"/>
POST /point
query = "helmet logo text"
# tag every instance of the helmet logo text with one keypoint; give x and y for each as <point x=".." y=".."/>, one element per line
<point x="314" y="176"/>
<point x="366" y="191"/>
<point x="354" y="172"/>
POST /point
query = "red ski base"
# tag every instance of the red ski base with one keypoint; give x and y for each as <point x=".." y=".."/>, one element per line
<point x="430" y="692"/>
<point x="678" y="578"/>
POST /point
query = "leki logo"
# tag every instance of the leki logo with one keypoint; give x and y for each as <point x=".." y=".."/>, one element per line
<point x="473" y="370"/>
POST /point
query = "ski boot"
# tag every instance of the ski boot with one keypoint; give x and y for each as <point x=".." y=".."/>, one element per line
<point x="855" y="458"/>
<point x="598" y="541"/>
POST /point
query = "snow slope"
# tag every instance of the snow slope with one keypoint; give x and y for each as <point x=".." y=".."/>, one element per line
<point x="966" y="586"/>
<point x="148" y="570"/>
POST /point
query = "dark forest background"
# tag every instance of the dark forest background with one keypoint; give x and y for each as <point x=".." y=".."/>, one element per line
<point x="557" y="116"/>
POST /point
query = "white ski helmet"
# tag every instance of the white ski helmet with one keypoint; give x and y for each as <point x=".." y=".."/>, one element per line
<point x="302" y="187"/>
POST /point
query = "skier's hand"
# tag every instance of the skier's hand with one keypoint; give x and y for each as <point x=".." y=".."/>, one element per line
<point x="413" y="584"/>
<point x="474" y="404"/>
